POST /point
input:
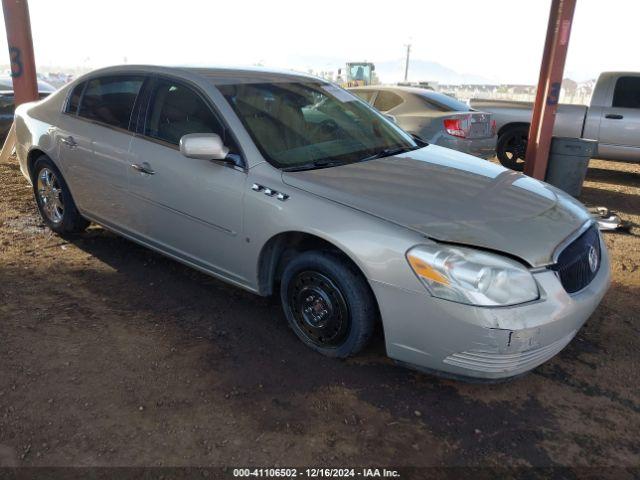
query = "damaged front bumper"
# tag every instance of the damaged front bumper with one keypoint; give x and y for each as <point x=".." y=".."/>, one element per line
<point x="486" y="343"/>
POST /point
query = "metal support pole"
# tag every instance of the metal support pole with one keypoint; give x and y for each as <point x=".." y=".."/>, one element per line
<point x="549" y="84"/>
<point x="406" y="64"/>
<point x="23" y="65"/>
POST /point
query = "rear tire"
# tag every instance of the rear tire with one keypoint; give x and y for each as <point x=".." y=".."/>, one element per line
<point x="512" y="147"/>
<point x="328" y="304"/>
<point x="56" y="206"/>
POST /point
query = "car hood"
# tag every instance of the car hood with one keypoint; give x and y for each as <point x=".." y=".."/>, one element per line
<point x="453" y="197"/>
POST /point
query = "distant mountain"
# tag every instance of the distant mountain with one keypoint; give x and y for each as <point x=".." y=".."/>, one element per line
<point x="424" y="70"/>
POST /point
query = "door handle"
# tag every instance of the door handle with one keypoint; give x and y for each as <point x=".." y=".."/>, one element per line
<point x="144" y="168"/>
<point x="614" y="116"/>
<point x="69" y="142"/>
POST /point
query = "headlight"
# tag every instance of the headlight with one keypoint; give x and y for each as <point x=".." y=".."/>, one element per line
<point x="471" y="276"/>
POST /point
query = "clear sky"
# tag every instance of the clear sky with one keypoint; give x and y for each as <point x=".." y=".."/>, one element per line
<point x="497" y="39"/>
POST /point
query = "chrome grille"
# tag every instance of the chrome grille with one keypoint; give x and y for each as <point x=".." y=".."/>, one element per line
<point x="575" y="266"/>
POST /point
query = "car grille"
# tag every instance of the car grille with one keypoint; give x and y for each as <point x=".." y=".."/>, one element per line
<point x="575" y="266"/>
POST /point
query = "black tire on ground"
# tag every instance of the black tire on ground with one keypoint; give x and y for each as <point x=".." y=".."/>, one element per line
<point x="328" y="303"/>
<point x="70" y="221"/>
<point x="512" y="147"/>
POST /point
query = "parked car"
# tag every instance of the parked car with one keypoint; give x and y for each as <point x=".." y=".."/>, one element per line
<point x="435" y="118"/>
<point x="7" y="106"/>
<point x="285" y="184"/>
<point x="613" y="118"/>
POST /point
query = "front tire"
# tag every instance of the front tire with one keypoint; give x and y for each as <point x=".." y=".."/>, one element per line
<point x="56" y="206"/>
<point x="328" y="304"/>
<point x="512" y="147"/>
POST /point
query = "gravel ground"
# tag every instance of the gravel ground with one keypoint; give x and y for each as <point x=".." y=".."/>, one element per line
<point x="113" y="355"/>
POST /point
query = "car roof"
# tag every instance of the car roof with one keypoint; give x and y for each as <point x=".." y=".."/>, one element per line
<point x="216" y="75"/>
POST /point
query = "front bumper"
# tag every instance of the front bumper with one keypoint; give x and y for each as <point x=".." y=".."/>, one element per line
<point x="486" y="343"/>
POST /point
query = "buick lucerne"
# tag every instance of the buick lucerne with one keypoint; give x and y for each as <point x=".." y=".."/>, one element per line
<point x="284" y="184"/>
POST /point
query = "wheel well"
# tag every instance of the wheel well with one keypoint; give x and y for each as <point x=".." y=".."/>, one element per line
<point x="280" y="248"/>
<point x="509" y="126"/>
<point x="32" y="156"/>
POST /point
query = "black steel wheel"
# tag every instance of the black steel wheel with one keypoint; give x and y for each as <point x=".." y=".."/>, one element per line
<point x="512" y="147"/>
<point x="328" y="303"/>
<point x="319" y="309"/>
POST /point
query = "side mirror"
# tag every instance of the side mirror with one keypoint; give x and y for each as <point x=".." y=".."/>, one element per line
<point x="203" y="146"/>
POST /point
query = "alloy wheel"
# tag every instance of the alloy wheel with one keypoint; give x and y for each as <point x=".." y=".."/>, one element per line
<point x="50" y="195"/>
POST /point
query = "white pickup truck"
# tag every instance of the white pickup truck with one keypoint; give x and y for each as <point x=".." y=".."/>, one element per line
<point x="613" y="118"/>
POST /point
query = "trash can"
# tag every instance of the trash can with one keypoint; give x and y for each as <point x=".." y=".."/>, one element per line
<point x="568" y="163"/>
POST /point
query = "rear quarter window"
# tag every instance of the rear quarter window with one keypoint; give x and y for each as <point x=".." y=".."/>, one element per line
<point x="444" y="103"/>
<point x="74" y="99"/>
<point x="110" y="100"/>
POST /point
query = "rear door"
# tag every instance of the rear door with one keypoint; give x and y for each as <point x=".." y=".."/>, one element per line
<point x="94" y="141"/>
<point x="188" y="207"/>
<point x="620" y="123"/>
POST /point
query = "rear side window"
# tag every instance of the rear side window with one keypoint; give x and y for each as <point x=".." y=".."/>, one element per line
<point x="74" y="99"/>
<point x="176" y="110"/>
<point x="110" y="99"/>
<point x="627" y="93"/>
<point x="387" y="100"/>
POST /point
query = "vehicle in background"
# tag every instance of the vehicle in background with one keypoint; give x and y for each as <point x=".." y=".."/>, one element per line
<point x="435" y="118"/>
<point x="358" y="74"/>
<point x="426" y="85"/>
<point x="7" y="106"/>
<point x="612" y="118"/>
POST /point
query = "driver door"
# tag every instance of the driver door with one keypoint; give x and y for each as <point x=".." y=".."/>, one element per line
<point x="189" y="208"/>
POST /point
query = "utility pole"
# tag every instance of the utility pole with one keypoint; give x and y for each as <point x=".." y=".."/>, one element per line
<point x="551" y="70"/>
<point x="23" y="65"/>
<point x="406" y="64"/>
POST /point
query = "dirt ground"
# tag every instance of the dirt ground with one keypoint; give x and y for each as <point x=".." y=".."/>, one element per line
<point x="113" y="355"/>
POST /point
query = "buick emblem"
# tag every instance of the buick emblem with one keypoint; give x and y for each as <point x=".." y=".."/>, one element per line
<point x="593" y="259"/>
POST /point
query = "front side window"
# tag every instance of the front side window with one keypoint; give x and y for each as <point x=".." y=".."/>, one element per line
<point x="110" y="100"/>
<point x="627" y="93"/>
<point x="176" y="110"/>
<point x="299" y="124"/>
<point x="385" y="100"/>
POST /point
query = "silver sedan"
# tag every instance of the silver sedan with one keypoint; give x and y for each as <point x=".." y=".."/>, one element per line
<point x="284" y="184"/>
<point x="435" y="118"/>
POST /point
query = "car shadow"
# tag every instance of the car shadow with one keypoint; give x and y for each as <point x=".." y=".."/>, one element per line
<point x="616" y="201"/>
<point x="613" y="177"/>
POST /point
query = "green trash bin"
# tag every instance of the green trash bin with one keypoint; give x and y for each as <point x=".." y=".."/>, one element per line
<point x="568" y="163"/>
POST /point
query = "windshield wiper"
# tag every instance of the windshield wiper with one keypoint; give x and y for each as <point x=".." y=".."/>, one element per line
<point x="388" y="152"/>
<point x="313" y="165"/>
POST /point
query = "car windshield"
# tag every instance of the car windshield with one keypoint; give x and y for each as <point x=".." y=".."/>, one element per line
<point x="313" y="124"/>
